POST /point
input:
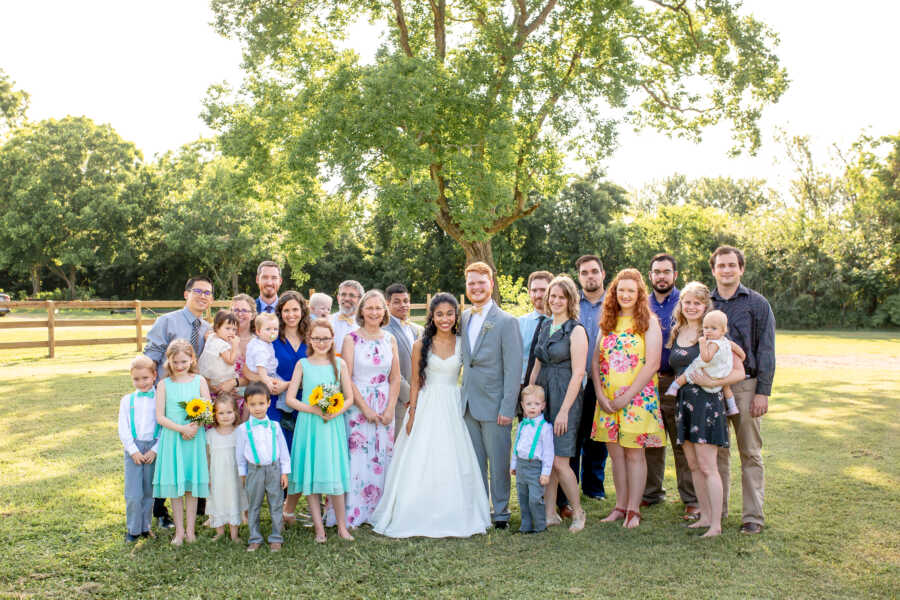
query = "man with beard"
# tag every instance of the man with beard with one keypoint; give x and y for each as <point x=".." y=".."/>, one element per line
<point x="268" y="278"/>
<point x="663" y="273"/>
<point x="590" y="454"/>
<point x="528" y="324"/>
<point x="344" y="320"/>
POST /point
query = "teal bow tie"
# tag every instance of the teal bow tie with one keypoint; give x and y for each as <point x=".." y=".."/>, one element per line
<point x="145" y="394"/>
<point x="534" y="421"/>
<point x="263" y="422"/>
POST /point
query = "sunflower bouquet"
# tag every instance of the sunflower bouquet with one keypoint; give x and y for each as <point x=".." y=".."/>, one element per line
<point x="198" y="411"/>
<point x="328" y="398"/>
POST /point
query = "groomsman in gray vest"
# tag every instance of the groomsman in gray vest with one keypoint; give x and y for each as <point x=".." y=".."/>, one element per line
<point x="406" y="333"/>
<point x="492" y="369"/>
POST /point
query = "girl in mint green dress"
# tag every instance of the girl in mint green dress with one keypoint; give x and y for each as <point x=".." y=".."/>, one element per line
<point x="182" y="472"/>
<point x="320" y="460"/>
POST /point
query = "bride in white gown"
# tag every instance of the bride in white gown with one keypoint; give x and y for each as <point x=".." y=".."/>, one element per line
<point x="434" y="486"/>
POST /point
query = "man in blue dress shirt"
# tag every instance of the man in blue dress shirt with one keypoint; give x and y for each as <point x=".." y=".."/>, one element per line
<point x="663" y="300"/>
<point x="537" y="289"/>
<point x="268" y="278"/>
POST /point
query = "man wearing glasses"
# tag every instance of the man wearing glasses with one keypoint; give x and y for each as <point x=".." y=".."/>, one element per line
<point x="344" y="320"/>
<point x="187" y="324"/>
<point x="663" y="274"/>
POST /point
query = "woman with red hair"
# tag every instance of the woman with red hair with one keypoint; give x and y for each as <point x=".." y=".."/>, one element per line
<point x="624" y="370"/>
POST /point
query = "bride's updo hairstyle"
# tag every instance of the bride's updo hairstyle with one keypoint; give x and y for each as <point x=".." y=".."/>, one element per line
<point x="431" y="328"/>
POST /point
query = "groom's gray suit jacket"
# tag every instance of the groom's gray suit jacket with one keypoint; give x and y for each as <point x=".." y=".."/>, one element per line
<point x="492" y="370"/>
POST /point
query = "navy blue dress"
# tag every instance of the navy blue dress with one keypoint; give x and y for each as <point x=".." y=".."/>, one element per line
<point x="287" y="359"/>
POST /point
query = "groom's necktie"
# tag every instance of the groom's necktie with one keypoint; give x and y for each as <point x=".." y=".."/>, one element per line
<point x="195" y="336"/>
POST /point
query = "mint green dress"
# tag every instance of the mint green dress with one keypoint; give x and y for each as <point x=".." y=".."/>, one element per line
<point x="320" y="459"/>
<point x="181" y="465"/>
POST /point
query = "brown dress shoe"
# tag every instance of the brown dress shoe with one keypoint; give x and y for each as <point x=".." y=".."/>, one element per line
<point x="566" y="512"/>
<point x="751" y="528"/>
<point x="275" y="547"/>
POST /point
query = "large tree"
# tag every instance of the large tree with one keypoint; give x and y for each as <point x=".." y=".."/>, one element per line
<point x="471" y="108"/>
<point x="70" y="197"/>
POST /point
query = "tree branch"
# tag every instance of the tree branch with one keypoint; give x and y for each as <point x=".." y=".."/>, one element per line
<point x="404" y="31"/>
<point x="665" y="102"/>
<point x="444" y="219"/>
<point x="439" y="9"/>
<point x="537" y="22"/>
<point x="680" y="8"/>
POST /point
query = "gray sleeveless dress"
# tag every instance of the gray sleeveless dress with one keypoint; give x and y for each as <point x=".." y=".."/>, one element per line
<point x="556" y="371"/>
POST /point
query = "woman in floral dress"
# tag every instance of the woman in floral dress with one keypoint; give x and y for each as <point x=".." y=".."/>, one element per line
<point x="628" y="417"/>
<point x="371" y="357"/>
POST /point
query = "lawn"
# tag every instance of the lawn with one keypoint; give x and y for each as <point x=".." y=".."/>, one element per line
<point x="833" y="495"/>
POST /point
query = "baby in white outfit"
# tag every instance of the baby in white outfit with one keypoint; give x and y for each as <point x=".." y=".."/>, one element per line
<point x="714" y="360"/>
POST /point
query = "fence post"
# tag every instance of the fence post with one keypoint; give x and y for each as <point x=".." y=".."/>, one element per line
<point x="51" y="328"/>
<point x="311" y="292"/>
<point x="137" y="324"/>
<point x="462" y="302"/>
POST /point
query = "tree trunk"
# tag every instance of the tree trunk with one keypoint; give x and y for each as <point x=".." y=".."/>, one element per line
<point x="234" y="284"/>
<point x="70" y="280"/>
<point x="35" y="280"/>
<point x="482" y="251"/>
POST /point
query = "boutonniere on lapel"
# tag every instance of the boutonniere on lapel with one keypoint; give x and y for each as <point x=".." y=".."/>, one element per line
<point x="487" y="326"/>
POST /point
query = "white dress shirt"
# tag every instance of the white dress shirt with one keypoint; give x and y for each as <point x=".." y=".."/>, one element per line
<point x="144" y="421"/>
<point x="261" y="354"/>
<point x="342" y="326"/>
<point x="475" y="323"/>
<point x="262" y="439"/>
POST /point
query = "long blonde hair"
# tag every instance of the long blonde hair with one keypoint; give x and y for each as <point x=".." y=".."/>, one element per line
<point x="698" y="291"/>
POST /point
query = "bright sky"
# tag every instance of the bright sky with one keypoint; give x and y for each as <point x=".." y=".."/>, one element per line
<point x="144" y="67"/>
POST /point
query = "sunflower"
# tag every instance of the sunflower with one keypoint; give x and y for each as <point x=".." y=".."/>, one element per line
<point x="316" y="395"/>
<point x="335" y="403"/>
<point x="195" y="407"/>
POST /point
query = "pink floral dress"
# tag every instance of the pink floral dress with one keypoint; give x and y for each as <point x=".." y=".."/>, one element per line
<point x="371" y="444"/>
<point x="639" y="424"/>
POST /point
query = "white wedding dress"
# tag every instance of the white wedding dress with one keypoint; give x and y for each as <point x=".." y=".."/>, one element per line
<point x="434" y="486"/>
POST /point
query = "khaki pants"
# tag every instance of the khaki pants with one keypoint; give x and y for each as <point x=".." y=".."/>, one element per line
<point x="749" y="443"/>
<point x="400" y="408"/>
<point x="656" y="457"/>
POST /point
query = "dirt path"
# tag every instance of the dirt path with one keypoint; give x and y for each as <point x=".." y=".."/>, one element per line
<point x="854" y="361"/>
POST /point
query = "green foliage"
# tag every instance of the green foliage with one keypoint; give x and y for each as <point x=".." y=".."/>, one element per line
<point x="70" y="197"/>
<point x="470" y="109"/>
<point x="210" y="220"/>
<point x="514" y="295"/>
<point x="13" y="104"/>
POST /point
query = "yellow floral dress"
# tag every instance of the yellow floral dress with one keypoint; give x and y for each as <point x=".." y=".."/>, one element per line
<point x="638" y="424"/>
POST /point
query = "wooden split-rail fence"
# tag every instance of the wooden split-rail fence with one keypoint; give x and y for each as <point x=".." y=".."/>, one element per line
<point x="137" y="320"/>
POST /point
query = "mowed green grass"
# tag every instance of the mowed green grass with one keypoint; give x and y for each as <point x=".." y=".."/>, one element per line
<point x="832" y="499"/>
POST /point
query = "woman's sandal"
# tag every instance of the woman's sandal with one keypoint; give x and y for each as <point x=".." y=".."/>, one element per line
<point x="321" y="539"/>
<point x="630" y="515"/>
<point x="609" y="518"/>
<point x="289" y="518"/>
<point x="553" y="519"/>
<point x="578" y="521"/>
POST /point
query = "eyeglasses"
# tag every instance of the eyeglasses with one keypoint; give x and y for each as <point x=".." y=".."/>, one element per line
<point x="241" y="311"/>
<point x="206" y="293"/>
<point x="658" y="273"/>
<point x="319" y="340"/>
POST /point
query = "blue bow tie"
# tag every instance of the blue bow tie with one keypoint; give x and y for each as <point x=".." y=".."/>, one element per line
<point x="263" y="422"/>
<point x="534" y="421"/>
<point x="145" y="394"/>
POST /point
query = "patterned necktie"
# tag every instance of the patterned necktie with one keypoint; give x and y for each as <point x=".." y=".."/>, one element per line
<point x="269" y="309"/>
<point x="195" y="336"/>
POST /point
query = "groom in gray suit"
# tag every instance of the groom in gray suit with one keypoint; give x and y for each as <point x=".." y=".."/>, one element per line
<point x="406" y="333"/>
<point x="492" y="369"/>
